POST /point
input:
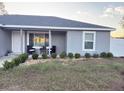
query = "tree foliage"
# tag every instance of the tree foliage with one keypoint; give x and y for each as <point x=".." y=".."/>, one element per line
<point x="2" y="9"/>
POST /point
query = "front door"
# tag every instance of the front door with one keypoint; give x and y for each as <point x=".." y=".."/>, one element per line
<point x="16" y="42"/>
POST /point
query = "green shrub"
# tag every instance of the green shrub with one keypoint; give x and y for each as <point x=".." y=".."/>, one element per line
<point x="44" y="56"/>
<point x="12" y="64"/>
<point x="103" y="55"/>
<point x="95" y="55"/>
<point x="17" y="61"/>
<point x="35" y="56"/>
<point x="109" y="55"/>
<point x="63" y="55"/>
<point x="70" y="55"/>
<point x="53" y="55"/>
<point x="23" y="57"/>
<point x="7" y="65"/>
<point x="26" y="55"/>
<point x="87" y="55"/>
<point x="77" y="55"/>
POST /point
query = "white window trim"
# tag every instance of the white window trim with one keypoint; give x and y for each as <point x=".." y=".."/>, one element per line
<point x="83" y="41"/>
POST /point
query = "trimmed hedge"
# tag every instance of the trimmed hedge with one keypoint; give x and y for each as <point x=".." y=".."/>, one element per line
<point x="87" y="55"/>
<point x="95" y="55"/>
<point x="103" y="55"/>
<point x="8" y="65"/>
<point x="77" y="55"/>
<point x="35" y="56"/>
<point x="23" y="57"/>
<point x="109" y="55"/>
<point x="44" y="56"/>
<point x="106" y="55"/>
<point x="70" y="55"/>
<point x="63" y="55"/>
<point x="53" y="55"/>
<point x="15" y="62"/>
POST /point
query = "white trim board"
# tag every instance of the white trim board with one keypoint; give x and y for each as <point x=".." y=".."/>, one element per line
<point x="53" y="27"/>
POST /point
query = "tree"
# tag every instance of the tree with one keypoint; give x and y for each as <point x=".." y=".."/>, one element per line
<point x="2" y="9"/>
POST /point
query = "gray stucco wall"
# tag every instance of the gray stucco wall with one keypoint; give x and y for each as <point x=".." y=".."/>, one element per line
<point x="5" y="41"/>
<point x="74" y="42"/>
<point x="59" y="40"/>
<point x="70" y="41"/>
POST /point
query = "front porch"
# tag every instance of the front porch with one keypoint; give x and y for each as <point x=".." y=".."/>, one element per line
<point x="38" y="41"/>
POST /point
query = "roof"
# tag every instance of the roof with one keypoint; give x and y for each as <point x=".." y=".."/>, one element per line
<point x="47" y="21"/>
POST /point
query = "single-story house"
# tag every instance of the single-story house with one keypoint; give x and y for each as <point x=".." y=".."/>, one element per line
<point x="19" y="31"/>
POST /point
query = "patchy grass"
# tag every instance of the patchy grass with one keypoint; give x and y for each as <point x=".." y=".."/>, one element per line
<point x="89" y="74"/>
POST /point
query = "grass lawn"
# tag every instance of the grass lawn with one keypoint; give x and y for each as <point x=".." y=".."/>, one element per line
<point x="90" y="74"/>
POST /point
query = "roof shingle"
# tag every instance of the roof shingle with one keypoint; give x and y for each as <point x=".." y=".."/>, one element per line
<point x="51" y="21"/>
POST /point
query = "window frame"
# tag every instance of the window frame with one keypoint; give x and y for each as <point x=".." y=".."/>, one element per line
<point x="84" y="40"/>
<point x="38" y="32"/>
<point x="34" y="43"/>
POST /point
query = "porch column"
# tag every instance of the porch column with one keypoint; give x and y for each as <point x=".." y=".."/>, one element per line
<point x="49" y="41"/>
<point x="21" y="38"/>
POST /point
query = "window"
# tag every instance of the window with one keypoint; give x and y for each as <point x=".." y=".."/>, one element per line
<point x="38" y="39"/>
<point x="89" y="41"/>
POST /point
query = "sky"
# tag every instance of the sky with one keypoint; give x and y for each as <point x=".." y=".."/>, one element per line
<point x="107" y="14"/>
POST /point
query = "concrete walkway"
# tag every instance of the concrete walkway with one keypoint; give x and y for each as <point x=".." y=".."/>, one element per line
<point x="8" y="58"/>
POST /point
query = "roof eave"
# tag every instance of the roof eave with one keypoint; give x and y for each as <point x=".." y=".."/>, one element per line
<point x="52" y="27"/>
